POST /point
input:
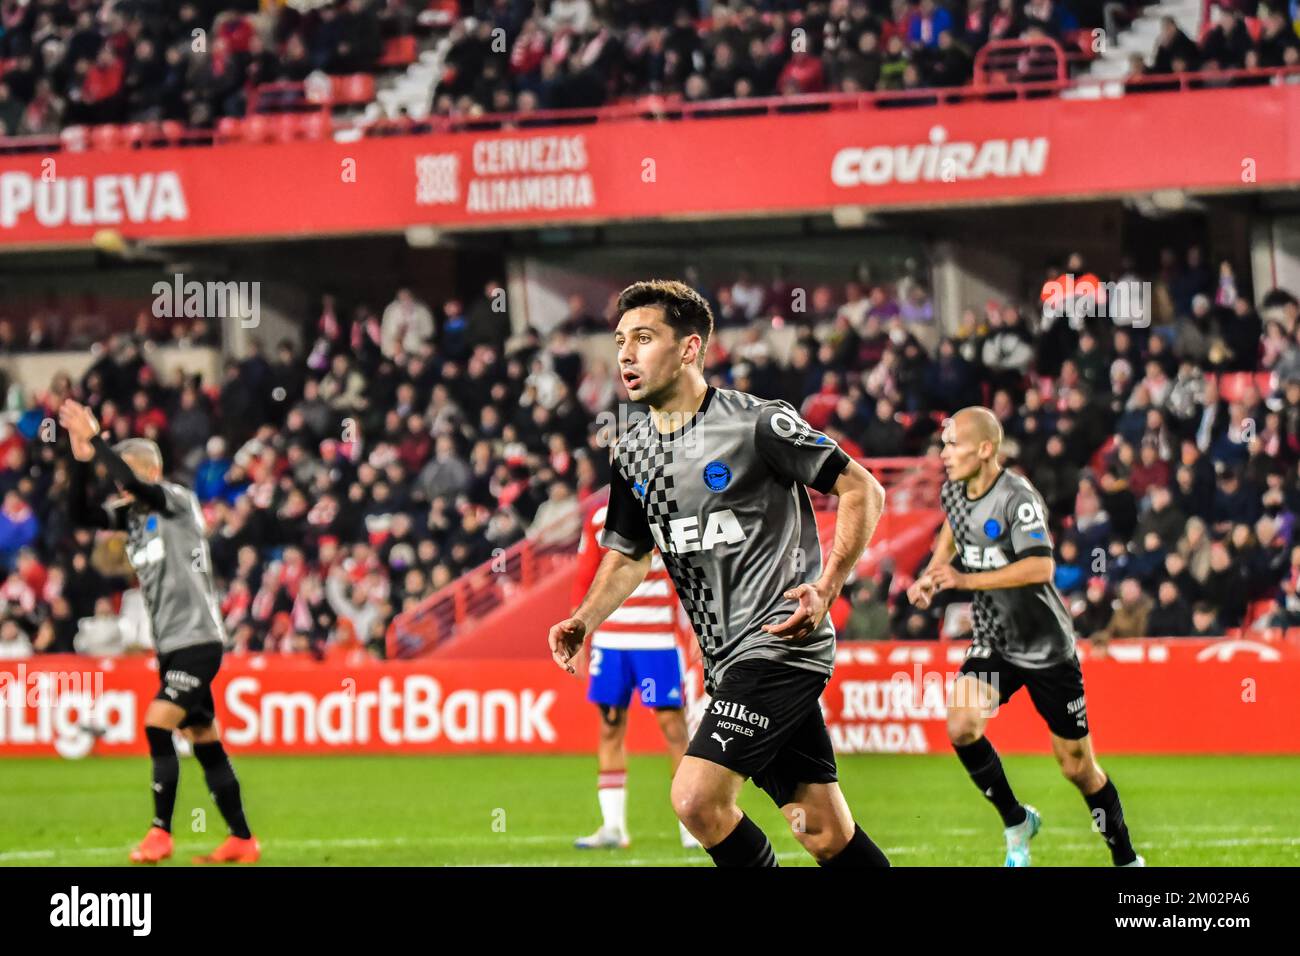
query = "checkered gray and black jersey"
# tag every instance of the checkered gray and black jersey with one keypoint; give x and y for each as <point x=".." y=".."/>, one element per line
<point x="723" y="499"/>
<point x="169" y="552"/>
<point x="1029" y="626"/>
<point x="166" y="547"/>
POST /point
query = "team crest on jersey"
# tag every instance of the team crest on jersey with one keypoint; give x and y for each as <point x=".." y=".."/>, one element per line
<point x="992" y="528"/>
<point x="717" y="475"/>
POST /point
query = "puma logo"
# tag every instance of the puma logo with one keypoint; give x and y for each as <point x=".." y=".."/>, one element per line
<point x="721" y="741"/>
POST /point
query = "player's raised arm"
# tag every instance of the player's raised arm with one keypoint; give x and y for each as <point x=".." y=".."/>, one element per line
<point x="84" y="430"/>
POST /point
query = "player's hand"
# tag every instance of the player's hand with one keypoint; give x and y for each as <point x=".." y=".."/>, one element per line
<point x="566" y="640"/>
<point x="812" y="608"/>
<point x="78" y="420"/>
<point x="947" y="577"/>
<point x="921" y="592"/>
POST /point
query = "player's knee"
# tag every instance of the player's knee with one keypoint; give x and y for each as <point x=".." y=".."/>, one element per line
<point x="964" y="726"/>
<point x="698" y="809"/>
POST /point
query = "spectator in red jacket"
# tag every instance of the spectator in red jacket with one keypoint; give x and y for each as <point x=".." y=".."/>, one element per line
<point x="101" y="87"/>
<point x="803" y="74"/>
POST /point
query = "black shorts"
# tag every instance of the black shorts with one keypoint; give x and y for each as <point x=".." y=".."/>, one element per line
<point x="765" y="721"/>
<point x="1057" y="691"/>
<point x="185" y="679"/>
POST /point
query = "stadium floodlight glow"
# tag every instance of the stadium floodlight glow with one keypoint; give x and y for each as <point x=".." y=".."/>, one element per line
<point x="422" y="237"/>
<point x="854" y="217"/>
<point x="1169" y="200"/>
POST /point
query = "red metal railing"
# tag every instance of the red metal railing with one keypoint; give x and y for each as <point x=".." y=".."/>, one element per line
<point x="909" y="483"/>
<point x="169" y="134"/>
<point x="1000" y="62"/>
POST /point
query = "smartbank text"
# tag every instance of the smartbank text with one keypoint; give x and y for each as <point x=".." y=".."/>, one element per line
<point x="412" y="710"/>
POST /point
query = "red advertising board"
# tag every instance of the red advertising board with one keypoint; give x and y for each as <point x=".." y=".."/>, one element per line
<point x="1144" y="697"/>
<point x="959" y="153"/>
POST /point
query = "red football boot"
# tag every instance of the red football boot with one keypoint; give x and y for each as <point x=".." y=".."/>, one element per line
<point x="155" y="847"/>
<point x="234" y="850"/>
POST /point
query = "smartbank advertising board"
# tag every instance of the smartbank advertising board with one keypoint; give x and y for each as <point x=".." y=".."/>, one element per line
<point x="990" y="152"/>
<point x="884" y="698"/>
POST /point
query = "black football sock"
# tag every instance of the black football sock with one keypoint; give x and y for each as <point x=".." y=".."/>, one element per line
<point x="1108" y="818"/>
<point x="224" y="786"/>
<point x="746" y="845"/>
<point x="985" y="768"/>
<point x="166" y="773"/>
<point x="858" y="852"/>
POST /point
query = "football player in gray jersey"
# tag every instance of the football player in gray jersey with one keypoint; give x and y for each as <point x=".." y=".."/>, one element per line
<point x="168" y="550"/>
<point x="1024" y="636"/>
<point x="715" y="479"/>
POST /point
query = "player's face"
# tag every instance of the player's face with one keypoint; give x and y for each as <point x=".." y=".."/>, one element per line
<point x="649" y="354"/>
<point x="961" y="451"/>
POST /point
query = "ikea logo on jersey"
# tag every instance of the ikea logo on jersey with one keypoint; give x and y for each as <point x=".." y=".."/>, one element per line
<point x="686" y="537"/>
<point x="982" y="559"/>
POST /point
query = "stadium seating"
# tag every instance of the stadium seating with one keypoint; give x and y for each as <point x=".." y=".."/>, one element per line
<point x="446" y="69"/>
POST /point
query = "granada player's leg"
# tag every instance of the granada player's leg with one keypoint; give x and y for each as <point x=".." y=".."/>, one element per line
<point x="610" y="689"/>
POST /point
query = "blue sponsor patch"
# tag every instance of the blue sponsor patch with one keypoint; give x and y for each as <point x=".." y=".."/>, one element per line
<point x="152" y="523"/>
<point x="717" y="475"/>
<point x="1037" y="534"/>
<point x="992" y="528"/>
<point x="639" y="489"/>
<point x="822" y="439"/>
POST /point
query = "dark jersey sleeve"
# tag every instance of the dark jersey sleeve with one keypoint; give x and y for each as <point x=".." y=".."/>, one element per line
<point x="795" y="451"/>
<point x="82" y="513"/>
<point x="1027" y="518"/>
<point x="626" y="529"/>
<point x="144" y="491"/>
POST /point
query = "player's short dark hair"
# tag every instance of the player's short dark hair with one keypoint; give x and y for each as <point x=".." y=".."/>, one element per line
<point x="685" y="310"/>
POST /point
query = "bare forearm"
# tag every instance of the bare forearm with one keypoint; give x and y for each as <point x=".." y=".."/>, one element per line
<point x="857" y="515"/>
<point x="1014" y="575"/>
<point x="617" y="577"/>
<point x="945" y="549"/>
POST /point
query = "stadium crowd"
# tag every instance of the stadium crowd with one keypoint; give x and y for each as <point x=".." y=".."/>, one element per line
<point x="69" y="62"/>
<point x="351" y="478"/>
<point x="89" y="62"/>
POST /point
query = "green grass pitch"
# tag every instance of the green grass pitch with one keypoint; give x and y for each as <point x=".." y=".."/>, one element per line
<point x="526" y="810"/>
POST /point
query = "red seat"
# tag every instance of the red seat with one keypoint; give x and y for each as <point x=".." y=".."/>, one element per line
<point x="74" y="137"/>
<point x="173" y="130"/>
<point x="285" y="126"/>
<point x="137" y="134"/>
<point x="315" y="125"/>
<point x="229" y="129"/>
<point x="399" y="51"/>
<point x="357" y="88"/>
<point x="257" y="128"/>
<point x="1233" y="384"/>
<point x="107" y="136"/>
